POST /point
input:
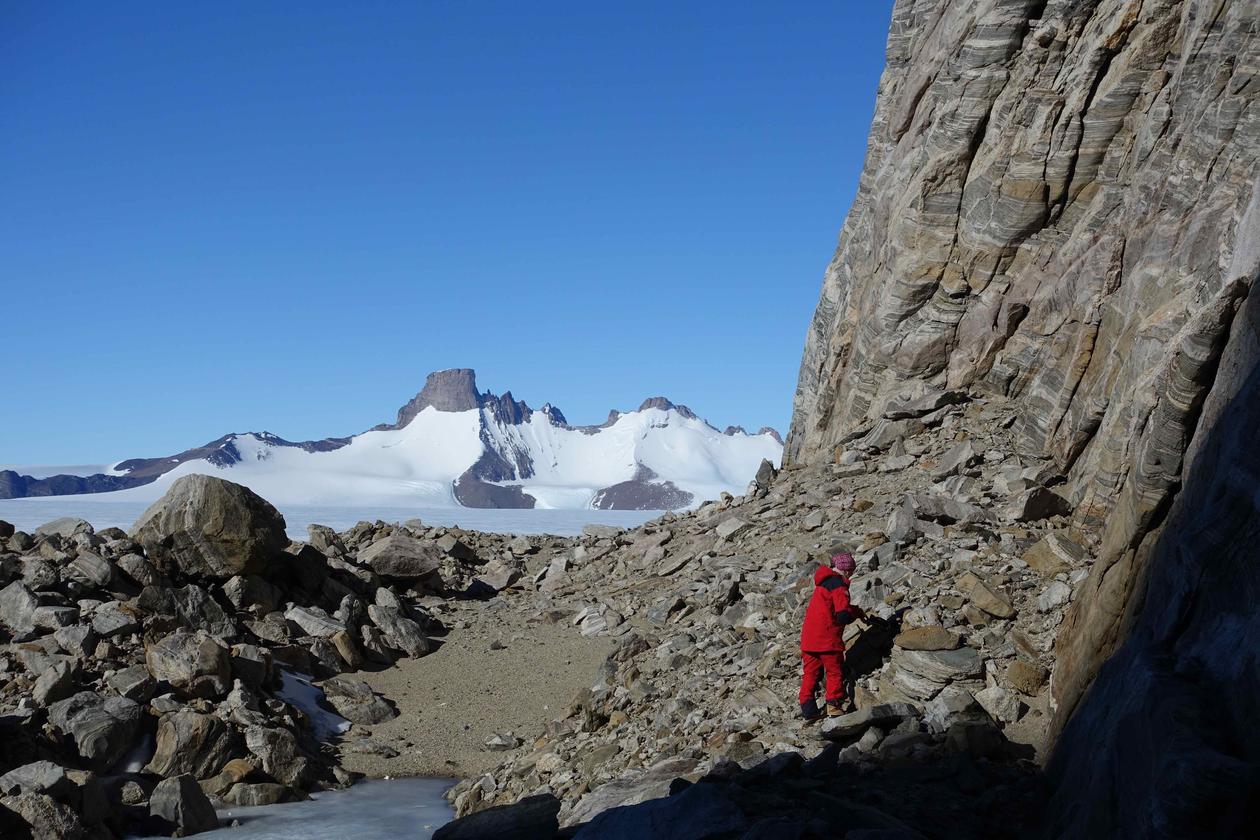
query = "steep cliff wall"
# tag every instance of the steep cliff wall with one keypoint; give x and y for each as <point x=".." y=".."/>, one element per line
<point x="1050" y="209"/>
<point x="1164" y="743"/>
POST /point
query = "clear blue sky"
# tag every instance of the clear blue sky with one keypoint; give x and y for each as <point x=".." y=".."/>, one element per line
<point x="239" y="216"/>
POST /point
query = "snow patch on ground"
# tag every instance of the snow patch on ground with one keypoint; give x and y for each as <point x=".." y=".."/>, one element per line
<point x="296" y="690"/>
<point x="379" y="810"/>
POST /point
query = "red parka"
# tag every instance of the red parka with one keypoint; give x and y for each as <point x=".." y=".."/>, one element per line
<point x="828" y="612"/>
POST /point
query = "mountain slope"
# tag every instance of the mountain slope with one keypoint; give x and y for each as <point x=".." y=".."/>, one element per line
<point x="452" y="445"/>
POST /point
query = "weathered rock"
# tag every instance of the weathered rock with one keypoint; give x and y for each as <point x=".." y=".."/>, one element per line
<point x="598" y="531"/>
<point x="102" y="728"/>
<point x="729" y="529"/>
<point x="248" y="795"/>
<point x="246" y="591"/>
<point x="991" y="602"/>
<point x="190" y="742"/>
<point x="277" y="751"/>
<point x="181" y="802"/>
<point x="192" y="662"/>
<point x="134" y="683"/>
<point x="37" y="777"/>
<point x="1025" y="677"/>
<point x="1036" y="504"/>
<point x="930" y="637"/>
<point x="90" y="569"/>
<point x="701" y="811"/>
<point x="853" y="724"/>
<point x="355" y="701"/>
<point x="631" y="788"/>
<point x="1002" y="704"/>
<point x="17" y="607"/>
<point x="66" y="526"/>
<point x="208" y="527"/>
<point x="56" y="683"/>
<point x="400" y="632"/>
<point x="44" y="818"/>
<point x="941" y="666"/>
<point x="1054" y="553"/>
<point x="114" y="619"/>
<point x="405" y="559"/>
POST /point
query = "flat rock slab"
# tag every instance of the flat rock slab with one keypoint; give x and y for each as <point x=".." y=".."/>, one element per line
<point x="931" y="637"/>
<point x="855" y="723"/>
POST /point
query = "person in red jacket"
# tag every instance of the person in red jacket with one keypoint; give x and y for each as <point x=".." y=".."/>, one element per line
<point x="822" y="635"/>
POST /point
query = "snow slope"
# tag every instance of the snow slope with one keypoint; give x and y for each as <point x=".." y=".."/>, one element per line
<point x="660" y="455"/>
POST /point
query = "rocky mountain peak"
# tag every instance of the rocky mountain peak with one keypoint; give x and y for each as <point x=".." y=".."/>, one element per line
<point x="665" y="404"/>
<point x="454" y="389"/>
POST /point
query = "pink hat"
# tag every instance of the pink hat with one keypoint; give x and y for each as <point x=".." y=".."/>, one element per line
<point x="843" y="562"/>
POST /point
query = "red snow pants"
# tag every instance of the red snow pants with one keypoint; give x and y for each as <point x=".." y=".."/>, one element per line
<point x="815" y="663"/>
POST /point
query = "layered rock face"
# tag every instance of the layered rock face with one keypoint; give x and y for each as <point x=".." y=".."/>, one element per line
<point x="1059" y="207"/>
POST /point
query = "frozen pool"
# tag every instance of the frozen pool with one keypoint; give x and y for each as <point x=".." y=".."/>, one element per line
<point x="379" y="810"/>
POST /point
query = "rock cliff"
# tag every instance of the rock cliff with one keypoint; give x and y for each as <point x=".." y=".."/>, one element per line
<point x="1059" y="207"/>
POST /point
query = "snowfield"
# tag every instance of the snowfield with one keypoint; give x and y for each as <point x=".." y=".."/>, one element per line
<point x="560" y="466"/>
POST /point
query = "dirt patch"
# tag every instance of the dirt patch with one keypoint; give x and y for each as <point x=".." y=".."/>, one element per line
<point x="499" y="670"/>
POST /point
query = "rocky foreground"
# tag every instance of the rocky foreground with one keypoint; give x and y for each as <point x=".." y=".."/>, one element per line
<point x="188" y="634"/>
<point x="147" y="677"/>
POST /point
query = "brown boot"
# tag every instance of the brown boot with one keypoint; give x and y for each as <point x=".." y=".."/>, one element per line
<point x="835" y="708"/>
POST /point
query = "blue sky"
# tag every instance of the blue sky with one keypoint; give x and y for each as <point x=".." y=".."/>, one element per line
<point x="242" y="216"/>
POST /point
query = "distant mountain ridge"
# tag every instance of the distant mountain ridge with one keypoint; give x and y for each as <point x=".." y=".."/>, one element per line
<point x="452" y="444"/>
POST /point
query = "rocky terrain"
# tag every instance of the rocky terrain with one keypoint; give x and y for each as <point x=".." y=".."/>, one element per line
<point x="966" y="562"/>
<point x="193" y="629"/>
<point x="146" y="676"/>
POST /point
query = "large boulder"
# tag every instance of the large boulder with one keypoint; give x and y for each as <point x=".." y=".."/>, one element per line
<point x="208" y="527"/>
<point x="181" y="802"/>
<point x="404" y="559"/>
<point x="103" y="728"/>
<point x="192" y="662"/>
<point x="189" y="742"/>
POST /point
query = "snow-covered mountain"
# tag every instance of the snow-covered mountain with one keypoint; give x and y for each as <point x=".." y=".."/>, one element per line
<point x="452" y="445"/>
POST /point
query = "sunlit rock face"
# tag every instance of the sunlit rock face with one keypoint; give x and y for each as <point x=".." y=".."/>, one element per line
<point x="1060" y="205"/>
<point x="1050" y="208"/>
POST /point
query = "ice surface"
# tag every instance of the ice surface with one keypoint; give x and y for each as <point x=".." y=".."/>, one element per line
<point x="28" y="514"/>
<point x="381" y="810"/>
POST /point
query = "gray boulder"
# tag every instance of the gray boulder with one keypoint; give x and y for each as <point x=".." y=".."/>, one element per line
<point x="192" y="662"/>
<point x="400" y="632"/>
<point x="190" y="742"/>
<point x="102" y="728"/>
<point x="404" y="559"/>
<point x="355" y="701"/>
<point x="884" y="716"/>
<point x="180" y="801"/>
<point x="208" y="527"/>
<point x="66" y="526"/>
<point x="44" y="818"/>
<point x="37" y="777"/>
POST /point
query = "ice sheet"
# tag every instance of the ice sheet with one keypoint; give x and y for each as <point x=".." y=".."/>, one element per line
<point x="28" y="514"/>
<point x="381" y="810"/>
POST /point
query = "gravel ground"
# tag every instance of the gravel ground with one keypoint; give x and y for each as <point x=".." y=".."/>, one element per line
<point x="454" y="699"/>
